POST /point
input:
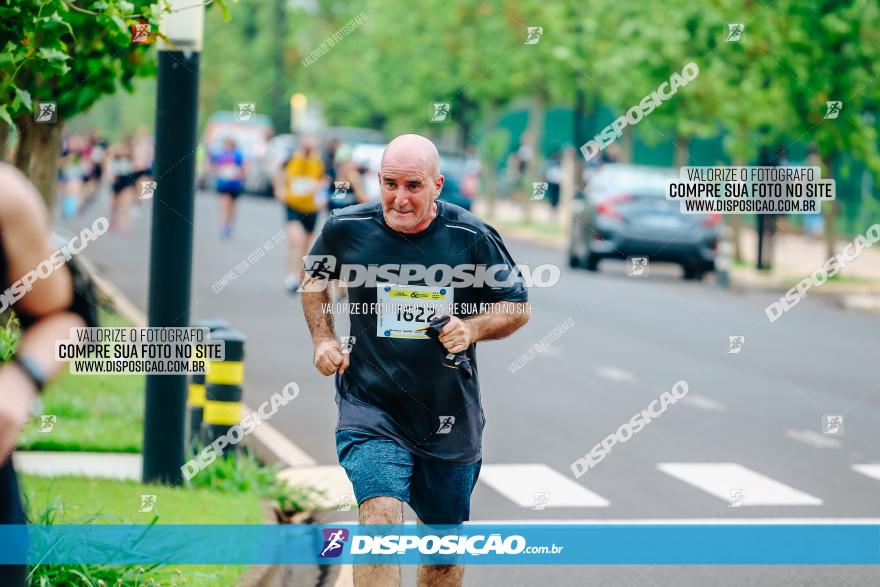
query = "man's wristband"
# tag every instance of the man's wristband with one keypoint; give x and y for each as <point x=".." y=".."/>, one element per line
<point x="34" y="372"/>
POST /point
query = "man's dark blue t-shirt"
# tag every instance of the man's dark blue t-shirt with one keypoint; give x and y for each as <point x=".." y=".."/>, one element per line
<point x="396" y="384"/>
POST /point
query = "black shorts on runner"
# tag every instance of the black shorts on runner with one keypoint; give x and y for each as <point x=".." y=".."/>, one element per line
<point x="307" y="219"/>
<point x="124" y="181"/>
<point x="232" y="193"/>
<point x="11" y="512"/>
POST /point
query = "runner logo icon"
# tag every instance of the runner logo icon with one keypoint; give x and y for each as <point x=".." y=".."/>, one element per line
<point x="334" y="540"/>
<point x="446" y="423"/>
<point x="320" y="266"/>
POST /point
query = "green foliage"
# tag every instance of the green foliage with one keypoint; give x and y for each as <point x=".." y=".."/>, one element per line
<point x="10" y="334"/>
<point x="69" y="53"/>
<point x="244" y="473"/>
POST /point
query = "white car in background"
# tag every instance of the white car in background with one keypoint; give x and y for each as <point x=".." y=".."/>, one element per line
<point x="368" y="157"/>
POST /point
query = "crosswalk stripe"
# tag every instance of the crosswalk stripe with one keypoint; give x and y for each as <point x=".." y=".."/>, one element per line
<point x="703" y="403"/>
<point x="869" y="470"/>
<point x="615" y="374"/>
<point x="521" y="483"/>
<point x="737" y="484"/>
<point x="813" y="438"/>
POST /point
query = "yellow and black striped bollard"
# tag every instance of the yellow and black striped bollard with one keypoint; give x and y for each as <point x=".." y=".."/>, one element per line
<point x="223" y="387"/>
<point x="196" y="393"/>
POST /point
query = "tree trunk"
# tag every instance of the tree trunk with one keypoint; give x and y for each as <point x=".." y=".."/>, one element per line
<point x="534" y="170"/>
<point x="45" y="146"/>
<point x="4" y="141"/>
<point x="465" y="111"/>
<point x="734" y="221"/>
<point x="829" y="211"/>
<point x="569" y="185"/>
<point x="489" y="179"/>
<point x="681" y="151"/>
<point x="627" y="143"/>
<point x="23" y="151"/>
<point x="280" y="99"/>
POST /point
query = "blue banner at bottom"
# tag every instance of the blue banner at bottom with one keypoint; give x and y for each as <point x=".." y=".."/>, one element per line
<point x="564" y="544"/>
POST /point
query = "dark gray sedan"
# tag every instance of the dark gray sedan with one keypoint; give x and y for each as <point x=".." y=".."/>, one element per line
<point x="623" y="212"/>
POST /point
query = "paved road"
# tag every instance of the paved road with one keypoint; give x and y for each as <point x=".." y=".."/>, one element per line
<point x="751" y="421"/>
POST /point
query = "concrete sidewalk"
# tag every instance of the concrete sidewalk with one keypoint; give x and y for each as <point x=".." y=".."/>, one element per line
<point x="102" y="465"/>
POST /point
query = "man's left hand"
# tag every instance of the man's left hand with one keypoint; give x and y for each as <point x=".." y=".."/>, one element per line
<point x="457" y="335"/>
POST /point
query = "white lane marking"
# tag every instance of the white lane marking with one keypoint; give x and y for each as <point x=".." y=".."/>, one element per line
<point x="520" y="483"/>
<point x="869" y="470"/>
<point x="702" y="402"/>
<point x="753" y="488"/>
<point x="615" y="374"/>
<point x="282" y="448"/>
<point x="813" y="438"/>
<point x="552" y="351"/>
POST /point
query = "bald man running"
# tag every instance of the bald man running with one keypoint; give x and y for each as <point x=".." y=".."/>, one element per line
<point x="410" y="427"/>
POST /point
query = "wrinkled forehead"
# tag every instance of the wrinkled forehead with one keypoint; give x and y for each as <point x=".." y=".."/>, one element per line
<point x="404" y="175"/>
<point x="408" y="164"/>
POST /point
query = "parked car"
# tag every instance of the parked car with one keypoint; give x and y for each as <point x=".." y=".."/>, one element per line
<point x="624" y="212"/>
<point x="461" y="180"/>
<point x="251" y="136"/>
<point x="368" y="157"/>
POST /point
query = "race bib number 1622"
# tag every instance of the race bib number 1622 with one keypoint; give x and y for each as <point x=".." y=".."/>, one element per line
<point x="407" y="307"/>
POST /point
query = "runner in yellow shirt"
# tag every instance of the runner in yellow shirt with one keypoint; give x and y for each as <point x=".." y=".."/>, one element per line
<point x="301" y="187"/>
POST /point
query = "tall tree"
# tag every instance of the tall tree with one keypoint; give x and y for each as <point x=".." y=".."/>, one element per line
<point x="70" y="55"/>
<point x="829" y="51"/>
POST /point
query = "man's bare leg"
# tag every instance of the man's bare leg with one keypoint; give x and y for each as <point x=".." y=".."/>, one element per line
<point x="379" y="510"/>
<point x="296" y="242"/>
<point x="440" y="575"/>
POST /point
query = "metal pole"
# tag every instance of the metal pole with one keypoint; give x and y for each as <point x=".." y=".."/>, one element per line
<point x="171" y="241"/>
<point x="764" y="159"/>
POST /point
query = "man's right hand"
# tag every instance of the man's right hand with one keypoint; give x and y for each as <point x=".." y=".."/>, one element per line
<point x="329" y="357"/>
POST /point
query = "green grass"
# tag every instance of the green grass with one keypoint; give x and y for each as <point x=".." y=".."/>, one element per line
<point x="102" y="413"/>
<point x="76" y="500"/>
<point x="543" y="228"/>
<point x="838" y="278"/>
<point x="94" y="413"/>
<point x="246" y="473"/>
